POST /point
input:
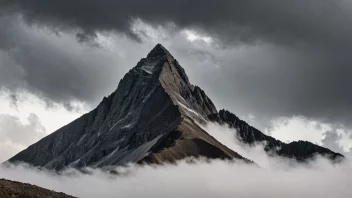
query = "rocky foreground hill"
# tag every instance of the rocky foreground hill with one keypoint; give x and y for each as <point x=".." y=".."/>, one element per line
<point x="13" y="189"/>
<point x="154" y="116"/>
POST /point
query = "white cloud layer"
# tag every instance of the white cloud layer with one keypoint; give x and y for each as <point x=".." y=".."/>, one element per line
<point x="335" y="137"/>
<point x="51" y="115"/>
<point x="25" y="119"/>
<point x="319" y="179"/>
<point x="201" y="57"/>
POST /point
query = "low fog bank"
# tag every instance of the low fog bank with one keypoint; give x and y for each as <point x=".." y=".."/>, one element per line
<point x="228" y="137"/>
<point x="274" y="178"/>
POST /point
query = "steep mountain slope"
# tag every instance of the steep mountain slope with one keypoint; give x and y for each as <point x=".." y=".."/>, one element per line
<point x="300" y="150"/>
<point x="150" y="117"/>
<point x="12" y="189"/>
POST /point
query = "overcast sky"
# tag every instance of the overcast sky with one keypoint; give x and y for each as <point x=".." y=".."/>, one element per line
<point x="281" y="65"/>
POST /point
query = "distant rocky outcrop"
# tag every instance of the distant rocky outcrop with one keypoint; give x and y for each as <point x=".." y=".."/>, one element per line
<point x="152" y="117"/>
<point x="13" y="189"/>
<point x="301" y="150"/>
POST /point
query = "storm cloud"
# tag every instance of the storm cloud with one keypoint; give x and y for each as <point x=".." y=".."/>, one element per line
<point x="16" y="136"/>
<point x="54" y="65"/>
<point x="276" y="177"/>
<point x="267" y="58"/>
<point x="316" y="21"/>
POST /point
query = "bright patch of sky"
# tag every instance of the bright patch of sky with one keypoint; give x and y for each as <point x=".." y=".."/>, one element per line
<point x="193" y="36"/>
<point x="52" y="116"/>
<point x="288" y="129"/>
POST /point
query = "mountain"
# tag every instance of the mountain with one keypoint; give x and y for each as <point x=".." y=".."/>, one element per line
<point x="301" y="150"/>
<point x="151" y="118"/>
<point x="12" y="189"/>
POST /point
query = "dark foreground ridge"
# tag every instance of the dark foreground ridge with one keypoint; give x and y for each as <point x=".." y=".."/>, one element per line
<point x="13" y="189"/>
<point x="151" y="118"/>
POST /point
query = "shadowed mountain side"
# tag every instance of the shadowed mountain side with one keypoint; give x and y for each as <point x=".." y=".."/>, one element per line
<point x="152" y="101"/>
<point x="301" y="150"/>
<point x="189" y="140"/>
<point x="151" y="117"/>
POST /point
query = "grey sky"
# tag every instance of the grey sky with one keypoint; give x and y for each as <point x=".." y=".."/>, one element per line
<point x="318" y="22"/>
<point x="268" y="58"/>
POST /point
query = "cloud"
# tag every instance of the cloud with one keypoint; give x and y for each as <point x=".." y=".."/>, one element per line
<point x="26" y="104"/>
<point x="21" y="133"/>
<point x="298" y="128"/>
<point x="274" y="58"/>
<point x="15" y="135"/>
<point x="25" y="118"/>
<point x="288" y="129"/>
<point x="215" y="179"/>
<point x="55" y="66"/>
<point x="256" y="153"/>
<point x="202" y="178"/>
<point x="244" y="20"/>
<point x="271" y="81"/>
<point x="331" y="140"/>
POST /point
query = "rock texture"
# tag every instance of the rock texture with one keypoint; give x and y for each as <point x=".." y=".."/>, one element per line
<point x="151" y="118"/>
<point x="12" y="189"/>
<point x="301" y="150"/>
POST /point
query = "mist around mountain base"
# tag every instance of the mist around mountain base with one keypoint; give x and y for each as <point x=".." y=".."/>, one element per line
<point x="269" y="177"/>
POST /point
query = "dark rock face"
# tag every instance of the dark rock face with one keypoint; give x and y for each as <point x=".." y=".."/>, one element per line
<point x="151" y="118"/>
<point x="153" y="102"/>
<point x="301" y="150"/>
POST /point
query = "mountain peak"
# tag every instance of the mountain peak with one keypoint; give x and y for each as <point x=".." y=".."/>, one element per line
<point x="158" y="51"/>
<point x="152" y="117"/>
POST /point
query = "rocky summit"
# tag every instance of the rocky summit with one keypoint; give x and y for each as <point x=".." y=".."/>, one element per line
<point x="152" y="117"/>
